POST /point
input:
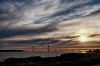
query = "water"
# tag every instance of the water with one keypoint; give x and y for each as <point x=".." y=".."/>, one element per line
<point x="5" y="55"/>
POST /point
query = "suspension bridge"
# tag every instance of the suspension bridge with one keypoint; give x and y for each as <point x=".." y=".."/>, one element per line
<point x="49" y="48"/>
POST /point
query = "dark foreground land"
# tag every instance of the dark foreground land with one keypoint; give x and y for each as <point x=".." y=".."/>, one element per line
<point x="68" y="59"/>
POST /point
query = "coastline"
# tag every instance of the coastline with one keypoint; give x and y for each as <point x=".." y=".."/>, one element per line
<point x="69" y="59"/>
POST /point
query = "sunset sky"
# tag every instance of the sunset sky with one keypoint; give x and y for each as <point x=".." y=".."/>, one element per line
<point x="67" y="23"/>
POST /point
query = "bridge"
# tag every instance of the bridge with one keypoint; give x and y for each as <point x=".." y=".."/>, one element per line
<point x="49" y="48"/>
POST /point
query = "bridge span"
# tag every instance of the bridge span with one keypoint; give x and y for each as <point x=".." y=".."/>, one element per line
<point x="61" y="49"/>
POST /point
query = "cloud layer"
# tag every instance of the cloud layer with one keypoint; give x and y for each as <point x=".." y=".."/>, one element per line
<point x="27" y="20"/>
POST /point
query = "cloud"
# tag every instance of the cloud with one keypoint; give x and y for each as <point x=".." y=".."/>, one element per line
<point x="37" y="12"/>
<point x="47" y="18"/>
<point x="4" y="32"/>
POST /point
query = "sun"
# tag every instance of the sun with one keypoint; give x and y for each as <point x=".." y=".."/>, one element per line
<point x="83" y="38"/>
<point x="84" y="35"/>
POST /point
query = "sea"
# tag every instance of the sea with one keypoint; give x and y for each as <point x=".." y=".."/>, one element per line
<point x="5" y="55"/>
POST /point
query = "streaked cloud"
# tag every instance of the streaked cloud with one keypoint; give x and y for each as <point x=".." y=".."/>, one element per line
<point x="22" y="21"/>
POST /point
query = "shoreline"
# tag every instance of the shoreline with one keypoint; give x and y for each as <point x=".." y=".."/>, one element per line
<point x="66" y="58"/>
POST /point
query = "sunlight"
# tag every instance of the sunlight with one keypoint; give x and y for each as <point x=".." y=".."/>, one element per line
<point x="85" y="32"/>
<point x="84" y="35"/>
<point x="83" y="38"/>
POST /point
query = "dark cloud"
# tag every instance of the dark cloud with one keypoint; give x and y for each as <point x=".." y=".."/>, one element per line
<point x="94" y="42"/>
<point x="38" y="41"/>
<point x="4" y="32"/>
<point x="72" y="9"/>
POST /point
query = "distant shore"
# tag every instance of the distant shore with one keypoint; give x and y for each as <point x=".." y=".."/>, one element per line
<point x="11" y="50"/>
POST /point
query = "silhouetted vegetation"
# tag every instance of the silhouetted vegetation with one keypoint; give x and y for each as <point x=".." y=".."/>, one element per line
<point x="95" y="51"/>
<point x="67" y="59"/>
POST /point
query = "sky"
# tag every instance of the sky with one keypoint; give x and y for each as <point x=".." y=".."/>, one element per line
<point x="24" y="23"/>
